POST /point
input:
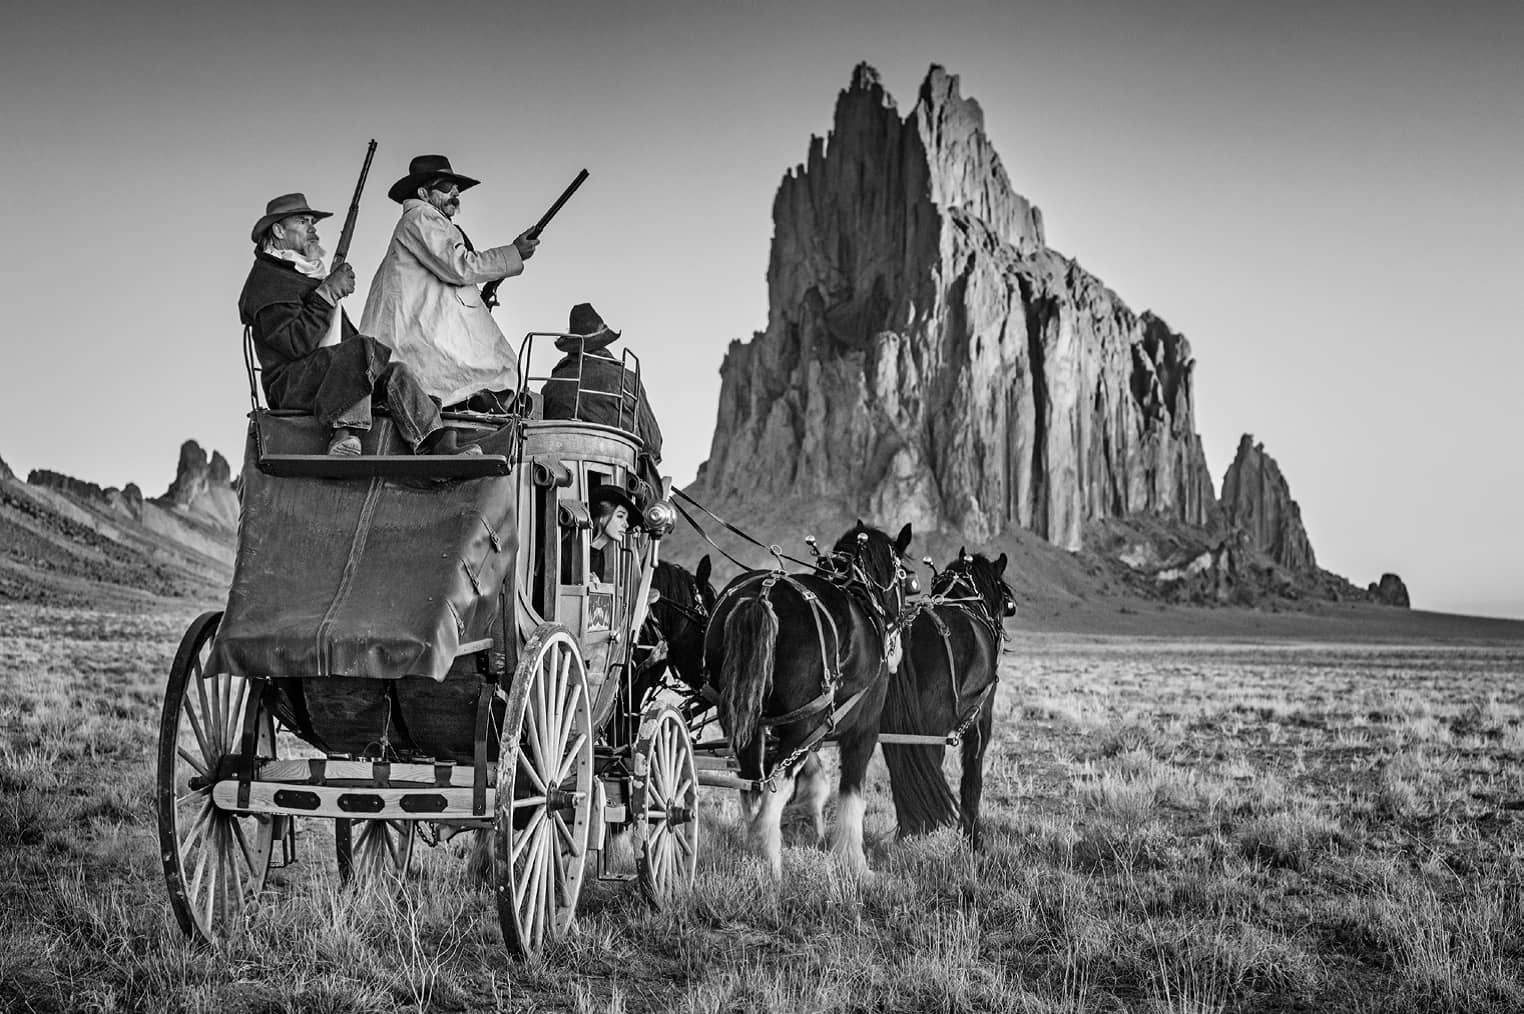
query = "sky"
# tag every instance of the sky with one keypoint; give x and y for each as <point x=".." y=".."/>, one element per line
<point x="1323" y="197"/>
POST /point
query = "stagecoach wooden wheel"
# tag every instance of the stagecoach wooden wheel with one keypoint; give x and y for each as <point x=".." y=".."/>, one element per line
<point x="215" y="860"/>
<point x="369" y="850"/>
<point x="544" y="792"/>
<point x="664" y="804"/>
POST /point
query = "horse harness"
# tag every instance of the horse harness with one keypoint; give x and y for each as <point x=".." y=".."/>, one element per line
<point x="855" y="582"/>
<point x="973" y="606"/>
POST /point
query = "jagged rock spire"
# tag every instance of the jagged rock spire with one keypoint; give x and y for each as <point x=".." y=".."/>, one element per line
<point x="1256" y="499"/>
<point x="928" y="359"/>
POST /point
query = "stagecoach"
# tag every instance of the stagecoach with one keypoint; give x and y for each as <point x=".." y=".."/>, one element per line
<point x="414" y="644"/>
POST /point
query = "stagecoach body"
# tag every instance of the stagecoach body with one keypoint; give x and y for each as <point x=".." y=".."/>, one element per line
<point x="421" y="641"/>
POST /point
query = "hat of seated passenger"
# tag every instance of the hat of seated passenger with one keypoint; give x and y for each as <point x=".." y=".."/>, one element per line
<point x="285" y="206"/>
<point x="586" y="331"/>
<point x="424" y="169"/>
<point x="614" y="495"/>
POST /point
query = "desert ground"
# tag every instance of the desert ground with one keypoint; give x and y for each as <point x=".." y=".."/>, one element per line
<point x="1252" y="812"/>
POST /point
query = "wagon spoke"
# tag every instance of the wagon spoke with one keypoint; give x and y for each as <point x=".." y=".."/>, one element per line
<point x="528" y="834"/>
<point x="539" y="709"/>
<point x="194" y="890"/>
<point x="243" y="844"/>
<point x="226" y="721"/>
<point x="570" y="758"/>
<point x="532" y="735"/>
<point x="566" y="716"/>
<point x="565" y="835"/>
<point x="195" y="723"/>
<point x="519" y="804"/>
<point x="200" y="793"/>
<point x="534" y="776"/>
<point x="192" y="760"/>
<point x="563" y="690"/>
<point x="235" y="716"/>
<point x="214" y="748"/>
<point x="562" y="886"/>
<point x="198" y="827"/>
<point x="531" y="867"/>
<point x="545" y="887"/>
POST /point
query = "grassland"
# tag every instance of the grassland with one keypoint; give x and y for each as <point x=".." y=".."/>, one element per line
<point x="1172" y="825"/>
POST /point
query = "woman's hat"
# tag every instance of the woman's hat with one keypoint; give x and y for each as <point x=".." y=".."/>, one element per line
<point x="426" y="169"/>
<point x="587" y="331"/>
<point x="285" y="206"/>
<point x="613" y="495"/>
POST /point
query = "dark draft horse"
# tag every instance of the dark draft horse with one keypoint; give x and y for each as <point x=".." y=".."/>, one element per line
<point x="946" y="684"/>
<point x="786" y="652"/>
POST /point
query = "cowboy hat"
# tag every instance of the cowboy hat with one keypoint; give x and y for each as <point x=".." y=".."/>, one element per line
<point x="615" y="496"/>
<point x="426" y="169"/>
<point x="285" y="206"/>
<point x="587" y="331"/>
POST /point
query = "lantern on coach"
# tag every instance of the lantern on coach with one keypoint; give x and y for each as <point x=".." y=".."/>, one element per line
<point x="659" y="519"/>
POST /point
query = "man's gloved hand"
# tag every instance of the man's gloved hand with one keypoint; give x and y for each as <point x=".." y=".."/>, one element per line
<point x="339" y="283"/>
<point x="525" y="244"/>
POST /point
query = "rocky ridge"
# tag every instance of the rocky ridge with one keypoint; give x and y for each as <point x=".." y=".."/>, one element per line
<point x="69" y="541"/>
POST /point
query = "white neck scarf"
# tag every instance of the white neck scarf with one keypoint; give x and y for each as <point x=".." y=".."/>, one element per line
<point x="312" y="267"/>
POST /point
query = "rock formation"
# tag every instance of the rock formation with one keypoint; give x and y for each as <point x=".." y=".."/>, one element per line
<point x="1390" y="591"/>
<point x="202" y="487"/>
<point x="5" y="470"/>
<point x="68" y="541"/>
<point x="928" y="358"/>
<point x="1257" y="501"/>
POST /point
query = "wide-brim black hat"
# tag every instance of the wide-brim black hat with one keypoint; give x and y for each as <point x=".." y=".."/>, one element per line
<point x="426" y="169"/>
<point x="285" y="206"/>
<point x="613" y="495"/>
<point x="587" y="331"/>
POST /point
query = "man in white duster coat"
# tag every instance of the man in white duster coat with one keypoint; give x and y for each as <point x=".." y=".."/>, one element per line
<point x="424" y="302"/>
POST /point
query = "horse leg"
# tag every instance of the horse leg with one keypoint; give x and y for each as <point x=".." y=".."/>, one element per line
<point x="971" y="785"/>
<point x="856" y="749"/>
<point x="811" y="790"/>
<point x="766" y="828"/>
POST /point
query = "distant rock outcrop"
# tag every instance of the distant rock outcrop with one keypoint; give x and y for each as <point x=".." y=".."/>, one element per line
<point x="927" y="358"/>
<point x="1390" y="591"/>
<point x="67" y="541"/>
<point x="1256" y="500"/>
<point x="5" y="470"/>
<point x="202" y="486"/>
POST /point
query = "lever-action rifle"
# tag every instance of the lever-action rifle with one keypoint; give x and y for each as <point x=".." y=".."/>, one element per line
<point x="489" y="291"/>
<point x="341" y="252"/>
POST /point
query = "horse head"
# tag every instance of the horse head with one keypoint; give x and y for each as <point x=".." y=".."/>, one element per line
<point x="981" y="577"/>
<point x="867" y="557"/>
<point x="680" y="609"/>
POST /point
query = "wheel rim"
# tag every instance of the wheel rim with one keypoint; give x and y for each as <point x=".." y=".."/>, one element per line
<point x="664" y="804"/>
<point x="215" y="861"/>
<point x="372" y="850"/>
<point x="544" y="794"/>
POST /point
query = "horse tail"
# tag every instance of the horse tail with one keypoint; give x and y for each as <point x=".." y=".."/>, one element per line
<point x="746" y="674"/>
<point x="923" y="801"/>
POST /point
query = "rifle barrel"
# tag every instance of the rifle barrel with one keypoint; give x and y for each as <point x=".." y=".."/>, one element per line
<point x="341" y="252"/>
<point x="566" y="195"/>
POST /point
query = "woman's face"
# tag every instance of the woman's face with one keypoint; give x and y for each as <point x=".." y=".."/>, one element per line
<point x="616" y="524"/>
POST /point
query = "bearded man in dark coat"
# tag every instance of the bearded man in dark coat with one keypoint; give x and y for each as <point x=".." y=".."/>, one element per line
<point x="311" y="358"/>
<point x="590" y="384"/>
